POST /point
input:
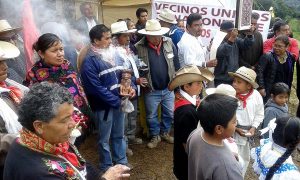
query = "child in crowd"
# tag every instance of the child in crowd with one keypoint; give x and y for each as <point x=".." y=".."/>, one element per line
<point x="276" y="106"/>
<point x="272" y="160"/>
<point x="228" y="90"/>
<point x="250" y="112"/>
<point x="208" y="156"/>
<point x="189" y="79"/>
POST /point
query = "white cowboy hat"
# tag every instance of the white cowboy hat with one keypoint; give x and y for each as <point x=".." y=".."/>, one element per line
<point x="120" y="27"/>
<point x="222" y="89"/>
<point x="188" y="74"/>
<point x="168" y="16"/>
<point x="153" y="28"/>
<point x="8" y="51"/>
<point x="246" y="74"/>
<point x="6" y="28"/>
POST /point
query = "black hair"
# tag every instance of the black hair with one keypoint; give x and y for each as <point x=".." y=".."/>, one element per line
<point x="286" y="134"/>
<point x="284" y="39"/>
<point x="97" y="32"/>
<point x="278" y="24"/>
<point x="41" y="103"/>
<point x="193" y="17"/>
<point x="45" y="41"/>
<point x="179" y="20"/>
<point x="216" y="109"/>
<point x="139" y="11"/>
<point x="280" y="88"/>
<point x="81" y="7"/>
<point x="255" y="16"/>
<point x="182" y="86"/>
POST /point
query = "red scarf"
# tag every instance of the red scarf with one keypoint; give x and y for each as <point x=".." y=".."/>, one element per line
<point x="15" y="93"/>
<point x="181" y="101"/>
<point x="34" y="142"/>
<point x="156" y="48"/>
<point x="244" y="98"/>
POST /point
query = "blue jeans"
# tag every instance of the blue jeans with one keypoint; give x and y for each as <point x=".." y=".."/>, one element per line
<point x="152" y="100"/>
<point x="111" y="131"/>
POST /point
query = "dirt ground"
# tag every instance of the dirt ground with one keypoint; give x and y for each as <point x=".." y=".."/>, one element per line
<point x="156" y="164"/>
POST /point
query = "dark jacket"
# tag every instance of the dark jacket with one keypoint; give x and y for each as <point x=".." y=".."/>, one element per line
<point x="101" y="82"/>
<point x="35" y="165"/>
<point x="250" y="57"/>
<point x="267" y="71"/>
<point x="228" y="57"/>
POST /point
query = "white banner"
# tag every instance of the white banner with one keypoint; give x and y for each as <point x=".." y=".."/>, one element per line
<point x="212" y="16"/>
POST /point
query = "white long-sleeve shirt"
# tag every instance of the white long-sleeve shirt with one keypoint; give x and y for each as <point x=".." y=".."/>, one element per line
<point x="191" y="50"/>
<point x="253" y="114"/>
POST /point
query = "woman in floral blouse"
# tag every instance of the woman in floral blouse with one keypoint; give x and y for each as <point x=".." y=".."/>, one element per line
<point x="53" y="67"/>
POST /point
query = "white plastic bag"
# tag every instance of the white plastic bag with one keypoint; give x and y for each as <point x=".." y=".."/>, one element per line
<point x="127" y="106"/>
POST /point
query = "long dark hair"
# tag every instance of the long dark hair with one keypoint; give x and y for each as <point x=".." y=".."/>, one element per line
<point x="286" y="134"/>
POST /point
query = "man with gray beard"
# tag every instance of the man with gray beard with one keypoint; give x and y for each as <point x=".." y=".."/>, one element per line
<point x="101" y="80"/>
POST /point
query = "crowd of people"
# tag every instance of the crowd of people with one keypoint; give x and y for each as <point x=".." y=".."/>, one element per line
<point x="100" y="83"/>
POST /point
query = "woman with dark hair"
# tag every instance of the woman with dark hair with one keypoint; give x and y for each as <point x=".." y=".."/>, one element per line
<point x="275" y="66"/>
<point x="53" y="67"/>
<point x="272" y="160"/>
<point x="43" y="150"/>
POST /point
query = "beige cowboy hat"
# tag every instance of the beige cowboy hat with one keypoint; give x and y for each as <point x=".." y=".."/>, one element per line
<point x="207" y="74"/>
<point x="188" y="74"/>
<point x="225" y="89"/>
<point x="120" y="28"/>
<point x="246" y="74"/>
<point x="8" y="51"/>
<point x="168" y="16"/>
<point x="153" y="28"/>
<point x="6" y="28"/>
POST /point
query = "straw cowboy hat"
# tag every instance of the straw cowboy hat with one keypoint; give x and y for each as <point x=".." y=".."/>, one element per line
<point x="8" y="51"/>
<point x="222" y="89"/>
<point x="120" y="28"/>
<point x="153" y="28"/>
<point x="6" y="28"/>
<point x="187" y="75"/>
<point x="168" y="16"/>
<point x="246" y="74"/>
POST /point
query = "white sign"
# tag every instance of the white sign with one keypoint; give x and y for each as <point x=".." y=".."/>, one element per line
<point x="212" y="16"/>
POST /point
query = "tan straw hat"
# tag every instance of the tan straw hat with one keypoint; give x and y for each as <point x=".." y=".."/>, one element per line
<point x="168" y="16"/>
<point x="225" y="89"/>
<point x="8" y="51"/>
<point x="120" y="27"/>
<point x="246" y="74"/>
<point x="153" y="28"/>
<point x="188" y="74"/>
<point x="6" y="28"/>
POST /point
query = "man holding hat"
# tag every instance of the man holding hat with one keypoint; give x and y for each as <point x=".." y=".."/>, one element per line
<point x="189" y="79"/>
<point x="16" y="68"/>
<point x="11" y="93"/>
<point x="160" y="54"/>
<point x="228" y="52"/>
<point x="126" y="58"/>
<point x="167" y="19"/>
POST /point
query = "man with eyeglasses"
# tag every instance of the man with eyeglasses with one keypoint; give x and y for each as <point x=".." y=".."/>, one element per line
<point x="17" y="67"/>
<point x="191" y="50"/>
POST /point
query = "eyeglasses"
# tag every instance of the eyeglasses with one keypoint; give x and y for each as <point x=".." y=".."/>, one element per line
<point x="278" y="46"/>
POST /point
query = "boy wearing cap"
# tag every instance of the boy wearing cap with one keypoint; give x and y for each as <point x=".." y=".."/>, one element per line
<point x="208" y="156"/>
<point x="189" y="79"/>
<point x="250" y="112"/>
<point x="228" y="53"/>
